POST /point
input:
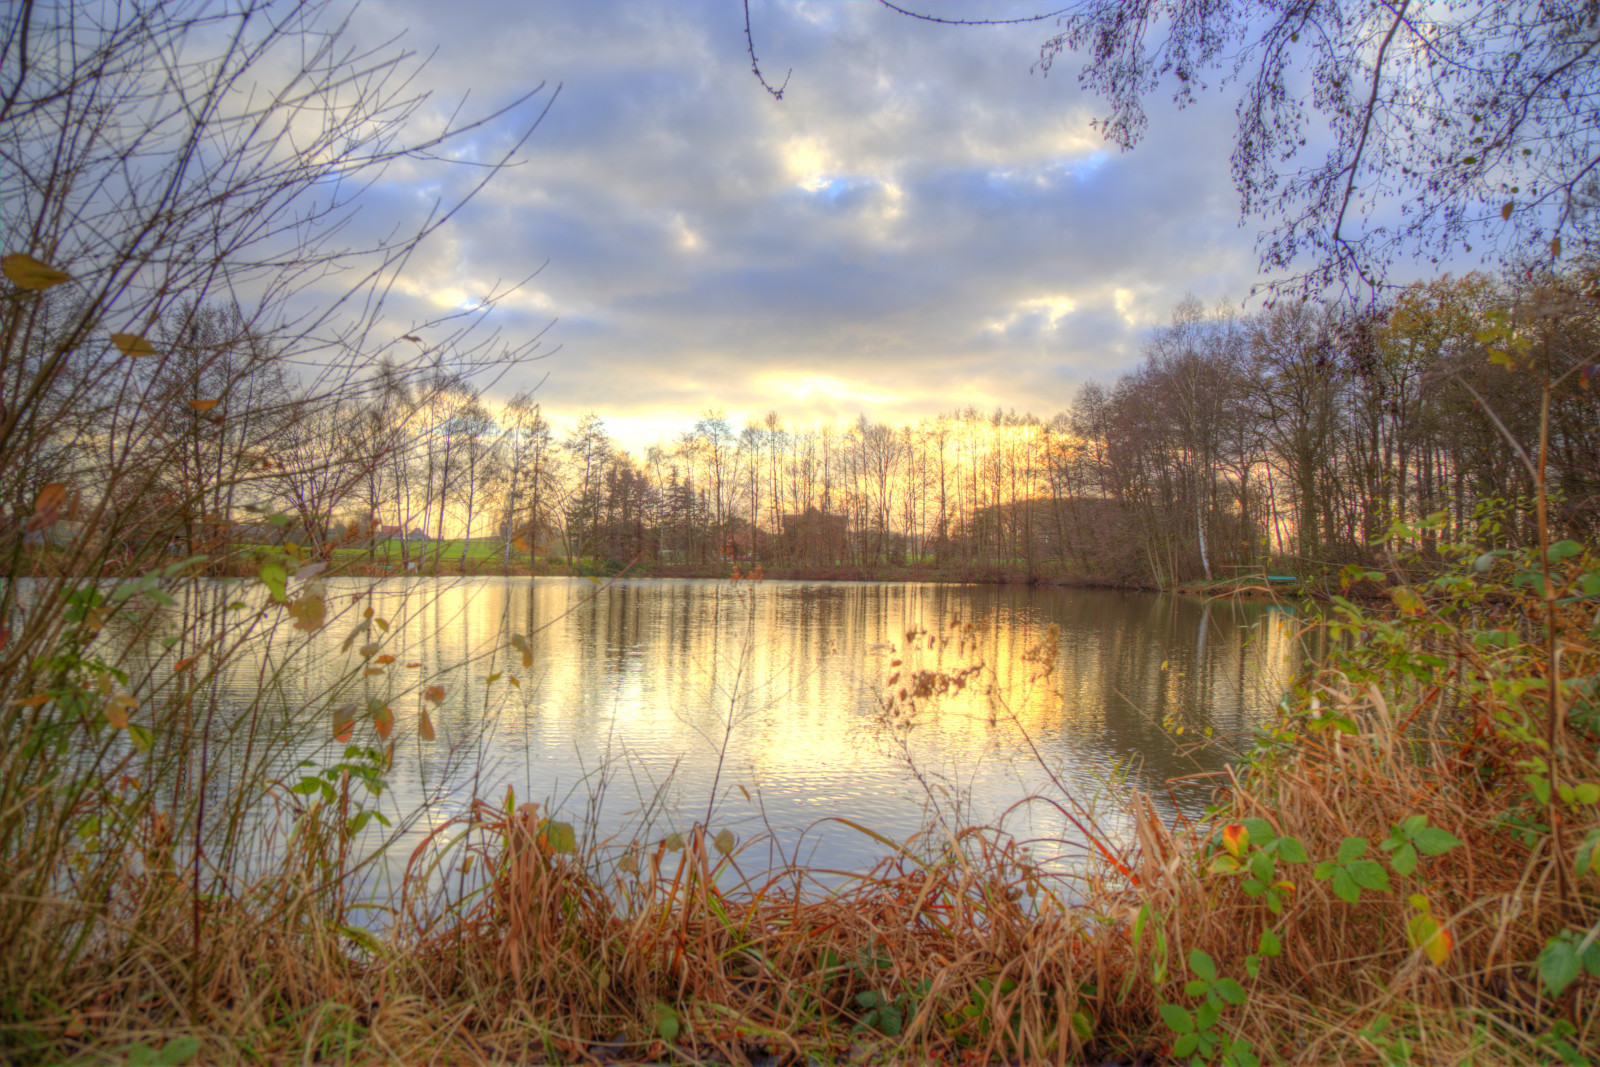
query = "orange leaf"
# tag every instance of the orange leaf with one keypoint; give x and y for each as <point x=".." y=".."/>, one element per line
<point x="184" y="664"/>
<point x="132" y="345"/>
<point x="33" y="701"/>
<point x="343" y="719"/>
<point x="50" y="498"/>
<point x="1235" y="838"/>
<point x="203" y="405"/>
<point x="385" y="658"/>
<point x="425" y="727"/>
<point x="1439" y="946"/>
<point x="117" y="709"/>
<point x="347" y="733"/>
<point x="434" y="693"/>
<point x="413" y="664"/>
<point x="383" y="719"/>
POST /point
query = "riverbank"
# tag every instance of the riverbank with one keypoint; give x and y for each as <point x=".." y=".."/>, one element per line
<point x="1405" y="869"/>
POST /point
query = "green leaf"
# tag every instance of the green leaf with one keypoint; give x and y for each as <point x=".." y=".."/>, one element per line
<point x="1262" y="866"/>
<point x="1345" y="887"/>
<point x="667" y="1022"/>
<point x="1404" y="860"/>
<point x="867" y="999"/>
<point x="1269" y="945"/>
<point x="178" y="1050"/>
<point x="1202" y="965"/>
<point x="1559" y="965"/>
<point x="1082" y="1026"/>
<point x="1260" y="830"/>
<point x="561" y="836"/>
<point x="1231" y="991"/>
<point x="1292" y="850"/>
<point x="1198" y="987"/>
<point x="1565" y="549"/>
<point x="276" y="579"/>
<point x="1181" y="1022"/>
<point x="1352" y="848"/>
<point x="1185" y="1045"/>
<point x="1435" y="842"/>
<point x="1368" y="875"/>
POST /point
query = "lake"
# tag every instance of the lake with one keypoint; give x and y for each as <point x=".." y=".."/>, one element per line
<point x="653" y="705"/>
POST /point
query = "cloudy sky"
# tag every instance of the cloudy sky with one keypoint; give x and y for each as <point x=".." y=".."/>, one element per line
<point x="921" y="223"/>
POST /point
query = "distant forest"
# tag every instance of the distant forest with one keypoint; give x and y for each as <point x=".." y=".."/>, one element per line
<point x="1292" y="439"/>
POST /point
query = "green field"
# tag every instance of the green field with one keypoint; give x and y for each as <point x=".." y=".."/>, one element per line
<point x="482" y="552"/>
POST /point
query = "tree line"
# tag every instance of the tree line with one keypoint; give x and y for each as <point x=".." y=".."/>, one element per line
<point x="1290" y="439"/>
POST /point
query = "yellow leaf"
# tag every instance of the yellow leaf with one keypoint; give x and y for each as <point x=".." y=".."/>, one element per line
<point x="514" y="682"/>
<point x="1235" y="838"/>
<point x="368" y="650"/>
<point x="1406" y="599"/>
<point x="132" y="345"/>
<point x="372" y="671"/>
<point x="425" y="727"/>
<point x="203" y="405"/>
<point x="25" y="272"/>
<point x="519" y="544"/>
<point x="117" y="709"/>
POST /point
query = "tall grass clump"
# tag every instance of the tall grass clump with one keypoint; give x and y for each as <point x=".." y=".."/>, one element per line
<point x="1407" y="867"/>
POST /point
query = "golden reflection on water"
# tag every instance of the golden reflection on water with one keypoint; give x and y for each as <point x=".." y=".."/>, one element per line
<point x="643" y="693"/>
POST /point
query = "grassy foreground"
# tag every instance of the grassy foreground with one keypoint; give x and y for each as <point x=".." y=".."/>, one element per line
<point x="1406" y="870"/>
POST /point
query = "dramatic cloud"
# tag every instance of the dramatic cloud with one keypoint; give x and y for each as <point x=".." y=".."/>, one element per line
<point x="921" y="224"/>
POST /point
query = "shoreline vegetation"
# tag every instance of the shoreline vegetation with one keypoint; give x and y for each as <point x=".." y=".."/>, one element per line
<point x="1405" y="868"/>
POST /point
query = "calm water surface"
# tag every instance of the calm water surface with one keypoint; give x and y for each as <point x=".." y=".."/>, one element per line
<point x="645" y="694"/>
